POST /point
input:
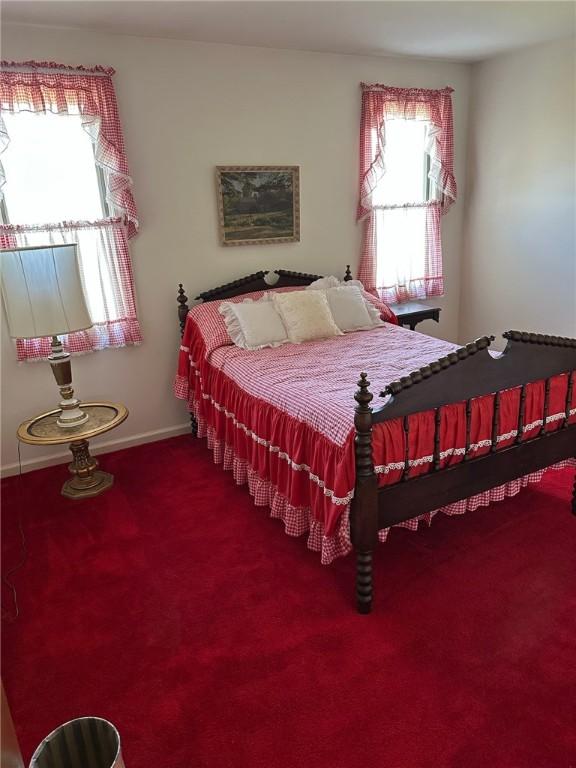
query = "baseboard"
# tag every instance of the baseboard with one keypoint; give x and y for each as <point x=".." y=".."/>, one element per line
<point x="39" y="462"/>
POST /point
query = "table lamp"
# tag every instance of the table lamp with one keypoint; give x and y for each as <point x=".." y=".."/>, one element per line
<point x="43" y="296"/>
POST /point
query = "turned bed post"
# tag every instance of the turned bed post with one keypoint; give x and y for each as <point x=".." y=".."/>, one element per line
<point x="364" y="510"/>
<point x="182" y="300"/>
<point x="183" y="309"/>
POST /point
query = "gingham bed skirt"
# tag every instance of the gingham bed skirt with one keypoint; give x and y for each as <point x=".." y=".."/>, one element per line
<point x="300" y="520"/>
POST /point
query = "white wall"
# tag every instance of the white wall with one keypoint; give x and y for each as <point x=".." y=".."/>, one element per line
<point x="186" y="107"/>
<point x="519" y="266"/>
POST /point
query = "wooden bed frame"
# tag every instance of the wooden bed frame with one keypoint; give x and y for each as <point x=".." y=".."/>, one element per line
<point x="468" y="373"/>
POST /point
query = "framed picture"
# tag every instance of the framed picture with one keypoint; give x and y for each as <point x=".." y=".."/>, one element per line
<point x="258" y="204"/>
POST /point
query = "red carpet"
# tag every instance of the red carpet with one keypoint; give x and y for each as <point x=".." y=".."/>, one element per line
<point x="179" y="611"/>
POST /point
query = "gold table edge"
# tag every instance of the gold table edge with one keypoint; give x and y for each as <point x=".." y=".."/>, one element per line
<point x="24" y="437"/>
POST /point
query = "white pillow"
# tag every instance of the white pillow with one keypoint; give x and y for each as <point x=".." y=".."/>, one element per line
<point x="346" y="316"/>
<point x="349" y="309"/>
<point x="374" y="312"/>
<point x="253" y="324"/>
<point x="306" y="315"/>
<point x="331" y="282"/>
<point x="322" y="283"/>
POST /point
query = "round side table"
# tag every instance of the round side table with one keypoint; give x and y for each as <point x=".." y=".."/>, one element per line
<point x="86" y="479"/>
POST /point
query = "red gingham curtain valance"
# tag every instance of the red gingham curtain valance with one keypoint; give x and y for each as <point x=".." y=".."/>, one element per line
<point x="105" y="267"/>
<point x="381" y="103"/>
<point x="51" y="87"/>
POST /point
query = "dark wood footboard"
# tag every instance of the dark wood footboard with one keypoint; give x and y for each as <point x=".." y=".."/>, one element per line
<point x="466" y="374"/>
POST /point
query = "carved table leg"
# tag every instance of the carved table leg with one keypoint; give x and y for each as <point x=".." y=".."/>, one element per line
<point x="86" y="480"/>
<point x="364" y="582"/>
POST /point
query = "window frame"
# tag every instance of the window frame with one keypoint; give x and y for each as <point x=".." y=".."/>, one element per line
<point x="427" y="184"/>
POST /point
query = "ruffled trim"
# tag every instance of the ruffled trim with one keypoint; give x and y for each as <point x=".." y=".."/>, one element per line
<point x="71" y="90"/>
<point x="297" y="520"/>
<point x="401" y="206"/>
<point x="108" y="334"/>
<point x="435" y="107"/>
<point x="181" y="390"/>
<point x="416" y="289"/>
<point x="419" y="93"/>
<point x="442" y="178"/>
<point x="234" y="326"/>
<point x="62" y="225"/>
<point x="4" y="142"/>
<point x="80" y="353"/>
<point x="484" y="499"/>
<point x="190" y="385"/>
<point x="300" y="520"/>
<point x="35" y="65"/>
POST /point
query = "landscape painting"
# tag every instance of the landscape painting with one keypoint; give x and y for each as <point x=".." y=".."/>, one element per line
<point x="258" y="205"/>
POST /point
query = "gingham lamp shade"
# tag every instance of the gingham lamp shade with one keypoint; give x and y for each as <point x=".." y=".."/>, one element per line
<point x="42" y="291"/>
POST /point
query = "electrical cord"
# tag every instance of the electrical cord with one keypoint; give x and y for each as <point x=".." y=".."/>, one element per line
<point x="11" y="616"/>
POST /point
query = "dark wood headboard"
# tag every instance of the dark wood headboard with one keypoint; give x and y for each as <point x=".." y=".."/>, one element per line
<point x="247" y="284"/>
<point x="256" y="282"/>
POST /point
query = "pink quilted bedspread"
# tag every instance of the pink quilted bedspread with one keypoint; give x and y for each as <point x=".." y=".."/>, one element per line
<point x="282" y="418"/>
<point x="315" y="382"/>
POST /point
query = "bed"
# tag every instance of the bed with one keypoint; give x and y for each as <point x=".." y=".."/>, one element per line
<point x="440" y="428"/>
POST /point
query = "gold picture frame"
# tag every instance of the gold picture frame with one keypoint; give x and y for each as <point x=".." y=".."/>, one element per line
<point x="258" y="204"/>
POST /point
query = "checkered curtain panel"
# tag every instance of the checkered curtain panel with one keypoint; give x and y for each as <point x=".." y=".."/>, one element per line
<point x="105" y="267"/>
<point x="46" y="87"/>
<point x="418" y="273"/>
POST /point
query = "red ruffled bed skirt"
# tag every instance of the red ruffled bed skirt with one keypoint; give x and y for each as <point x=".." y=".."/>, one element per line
<point x="300" y="520"/>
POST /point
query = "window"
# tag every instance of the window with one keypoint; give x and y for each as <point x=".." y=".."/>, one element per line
<point x="406" y="184"/>
<point x="399" y="200"/>
<point x="65" y="179"/>
<point x="407" y="164"/>
<point x="50" y="170"/>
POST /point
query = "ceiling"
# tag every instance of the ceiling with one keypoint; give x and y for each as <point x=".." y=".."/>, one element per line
<point x="461" y="31"/>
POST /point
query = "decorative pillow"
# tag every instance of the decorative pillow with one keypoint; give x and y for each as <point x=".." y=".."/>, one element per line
<point x="253" y="324"/>
<point x="377" y="309"/>
<point x="351" y="312"/>
<point x="323" y="283"/>
<point x="306" y="315"/>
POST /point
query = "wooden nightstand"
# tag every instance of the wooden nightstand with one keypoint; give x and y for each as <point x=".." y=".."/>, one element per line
<point x="86" y="480"/>
<point x="413" y="312"/>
